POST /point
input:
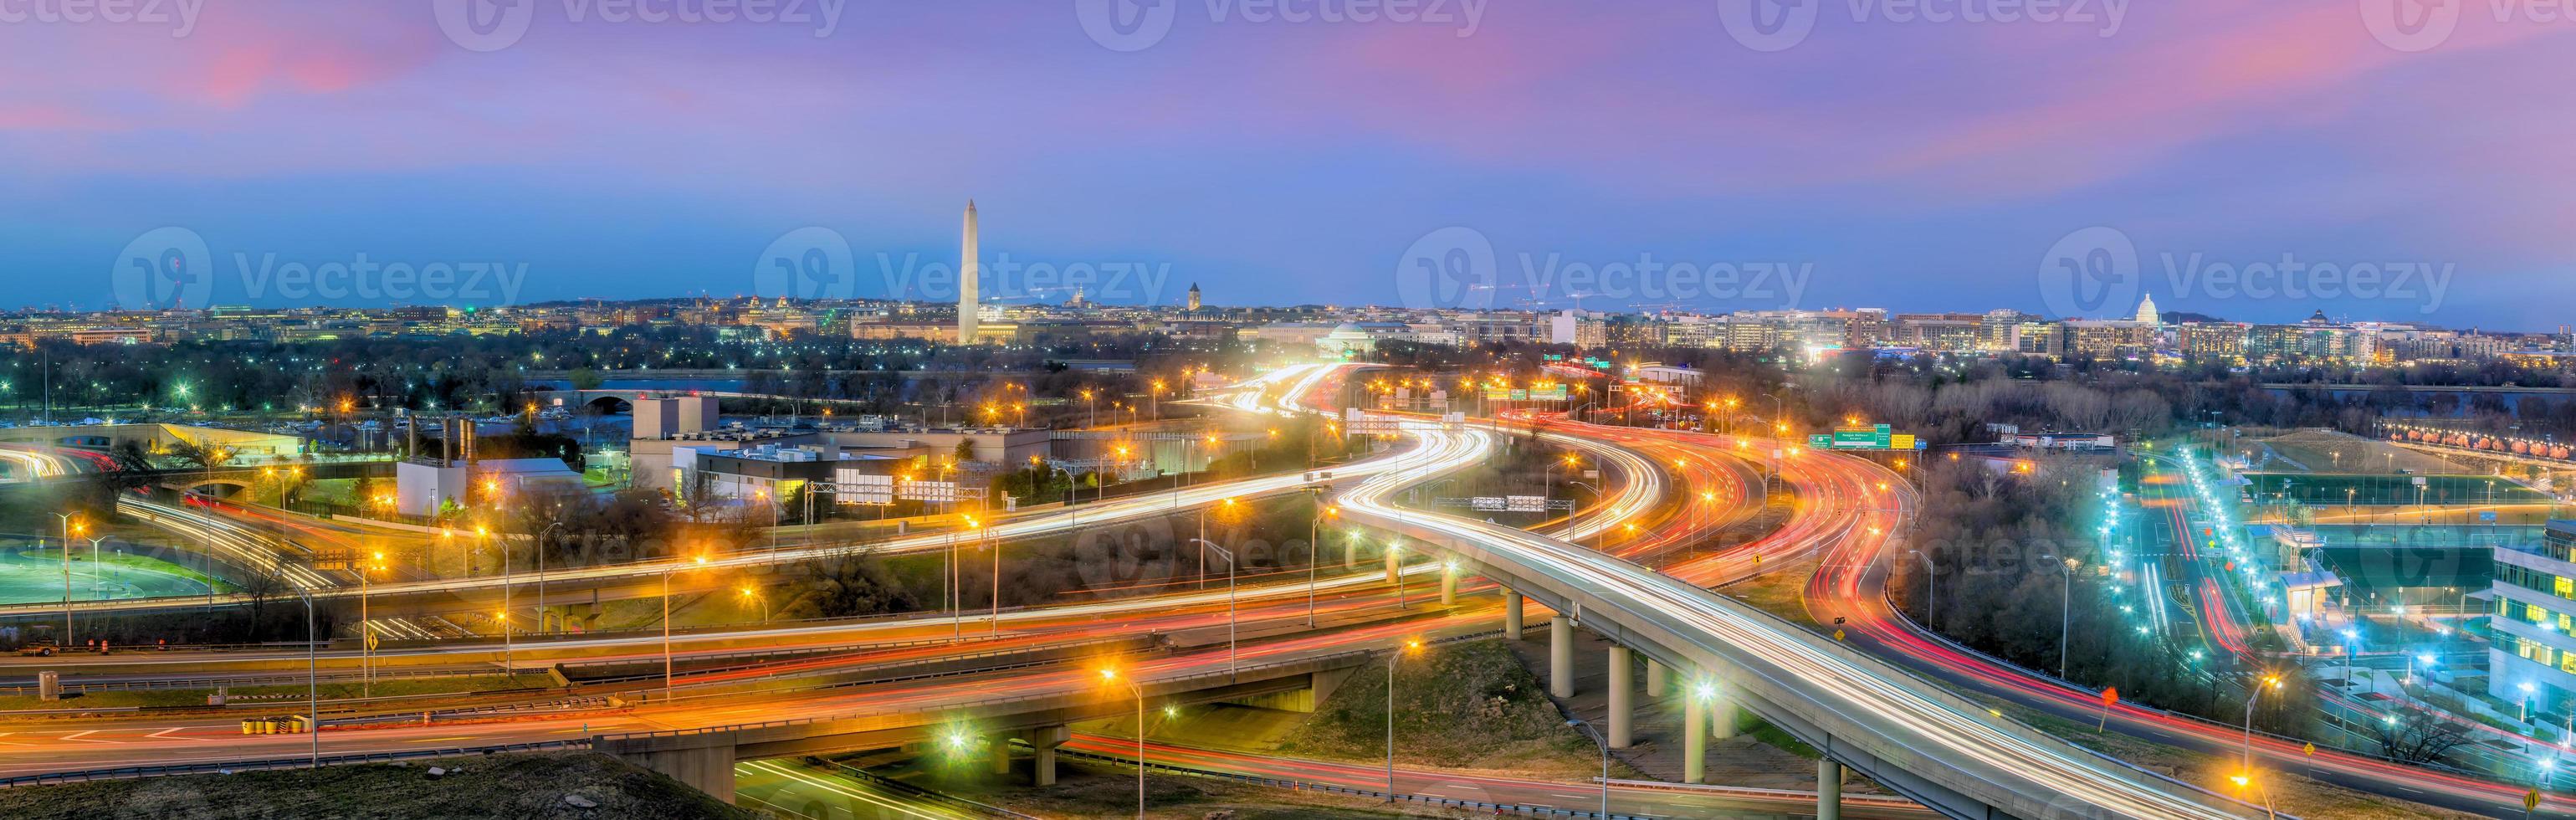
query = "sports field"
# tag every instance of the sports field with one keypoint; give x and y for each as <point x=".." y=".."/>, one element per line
<point x="2383" y="488"/>
<point x="29" y="575"/>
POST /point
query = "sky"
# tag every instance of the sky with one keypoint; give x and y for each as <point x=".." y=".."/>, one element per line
<point x="2396" y="160"/>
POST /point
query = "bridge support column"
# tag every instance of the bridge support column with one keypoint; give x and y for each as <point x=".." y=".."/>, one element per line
<point x="1512" y="614"/>
<point x="1721" y="714"/>
<point x="1045" y="740"/>
<point x="1622" y="708"/>
<point x="1560" y="656"/>
<point x="1449" y="586"/>
<point x="1001" y="755"/>
<point x="1829" y="789"/>
<point x="708" y="769"/>
<point x="1394" y="565"/>
<point x="1654" y="678"/>
<point x="1694" y="740"/>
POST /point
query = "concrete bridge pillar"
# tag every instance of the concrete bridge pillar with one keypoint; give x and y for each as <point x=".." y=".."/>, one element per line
<point x="1622" y="709"/>
<point x="1721" y="713"/>
<point x="1045" y="740"/>
<point x="1449" y="585"/>
<point x="1001" y="754"/>
<point x="1694" y="740"/>
<point x="708" y="769"/>
<point x="1394" y="565"/>
<point x="1654" y="678"/>
<point x="1829" y="789"/>
<point x="1560" y="656"/>
<point x="1512" y="614"/>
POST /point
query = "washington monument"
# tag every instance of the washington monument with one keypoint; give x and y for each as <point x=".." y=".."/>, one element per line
<point x="968" y="269"/>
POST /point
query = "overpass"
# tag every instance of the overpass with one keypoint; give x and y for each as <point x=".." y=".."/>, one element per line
<point x="1862" y="713"/>
<point x="704" y="757"/>
<point x="241" y="478"/>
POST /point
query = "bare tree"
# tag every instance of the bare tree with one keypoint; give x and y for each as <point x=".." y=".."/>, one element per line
<point x="2419" y="736"/>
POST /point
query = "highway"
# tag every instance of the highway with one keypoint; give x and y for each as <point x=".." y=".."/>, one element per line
<point x="1851" y="585"/>
<point x="1954" y="752"/>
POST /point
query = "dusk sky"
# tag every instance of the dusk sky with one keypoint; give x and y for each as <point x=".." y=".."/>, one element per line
<point x="1882" y="159"/>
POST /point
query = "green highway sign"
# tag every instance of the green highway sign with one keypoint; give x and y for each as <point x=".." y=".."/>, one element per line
<point x="1879" y="437"/>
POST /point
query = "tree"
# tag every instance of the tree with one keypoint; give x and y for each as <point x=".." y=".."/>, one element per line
<point x="2418" y="736"/>
<point x="850" y="583"/>
<point x="199" y="454"/>
<point x="965" y="450"/>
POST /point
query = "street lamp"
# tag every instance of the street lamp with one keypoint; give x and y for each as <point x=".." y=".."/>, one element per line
<point x="1110" y="676"/>
<point x="2252" y="695"/>
<point x="1412" y="646"/>
<point x="1604" y="743"/>
<point x="2065" y="593"/>
<point x="700" y="560"/>
<point x="1932" y="595"/>
<point x="1205" y="544"/>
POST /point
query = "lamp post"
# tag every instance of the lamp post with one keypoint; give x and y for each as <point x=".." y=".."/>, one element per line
<point x="2255" y="694"/>
<point x="2065" y="596"/>
<point x="67" y="578"/>
<point x="312" y="678"/>
<point x="1932" y="594"/>
<point x="540" y="547"/>
<point x="1604" y="743"/>
<point x="701" y="560"/>
<point x="1111" y="676"/>
<point x="997" y="580"/>
<point x="1412" y="646"/>
<point x="1205" y="544"/>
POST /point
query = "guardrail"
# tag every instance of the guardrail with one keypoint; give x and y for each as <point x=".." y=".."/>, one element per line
<point x="269" y="680"/>
<point x="810" y="652"/>
<point x="950" y="707"/>
<point x="132" y="772"/>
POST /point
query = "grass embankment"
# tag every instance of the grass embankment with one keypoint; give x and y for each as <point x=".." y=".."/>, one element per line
<point x="517" y="787"/>
<point x="1468" y="705"/>
<point x="330" y="690"/>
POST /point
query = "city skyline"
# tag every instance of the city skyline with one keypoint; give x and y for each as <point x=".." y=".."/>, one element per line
<point x="1916" y="162"/>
